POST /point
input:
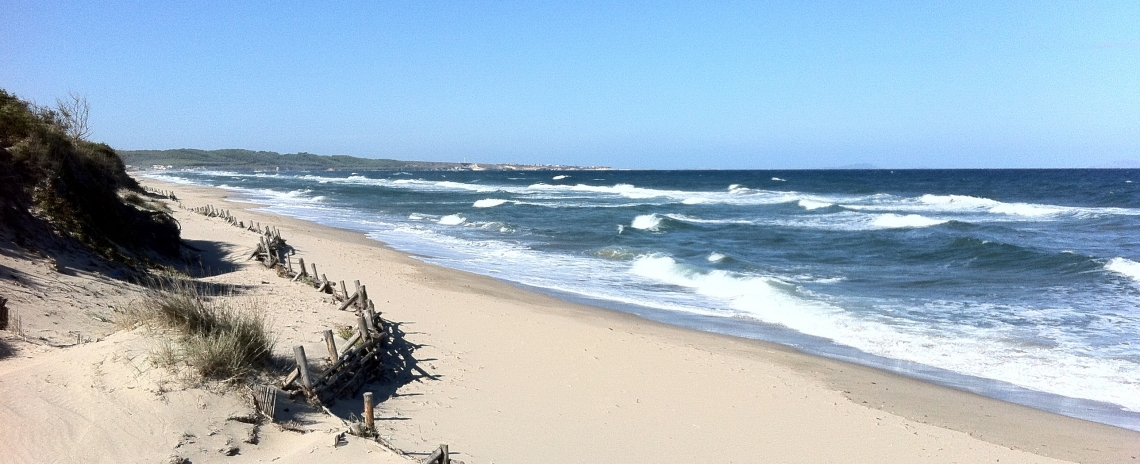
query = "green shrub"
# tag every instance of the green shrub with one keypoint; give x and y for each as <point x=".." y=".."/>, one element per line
<point x="74" y="184"/>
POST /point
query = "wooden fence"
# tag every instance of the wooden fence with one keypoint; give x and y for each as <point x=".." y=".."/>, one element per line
<point x="366" y="355"/>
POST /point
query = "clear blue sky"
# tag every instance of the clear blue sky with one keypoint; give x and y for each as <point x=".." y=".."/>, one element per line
<point x="628" y="84"/>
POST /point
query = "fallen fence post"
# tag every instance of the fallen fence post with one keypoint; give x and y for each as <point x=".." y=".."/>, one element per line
<point x="440" y="456"/>
<point x="349" y="302"/>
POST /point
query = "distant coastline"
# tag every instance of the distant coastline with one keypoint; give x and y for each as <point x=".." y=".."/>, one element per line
<point x="188" y="158"/>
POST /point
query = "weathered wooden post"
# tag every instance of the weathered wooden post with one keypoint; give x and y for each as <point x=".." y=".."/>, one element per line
<point x="369" y="419"/>
<point x="331" y="345"/>
<point x="344" y="289"/>
<point x="365" y="334"/>
<point x="370" y="319"/>
<point x="3" y="313"/>
<point x="444" y="454"/>
<point x="301" y="264"/>
<point x="362" y="302"/>
<point x="303" y="367"/>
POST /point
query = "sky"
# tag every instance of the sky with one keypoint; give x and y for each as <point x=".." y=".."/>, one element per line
<point x="654" y="84"/>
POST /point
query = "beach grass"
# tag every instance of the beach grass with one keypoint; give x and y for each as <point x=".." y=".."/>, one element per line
<point x="218" y="337"/>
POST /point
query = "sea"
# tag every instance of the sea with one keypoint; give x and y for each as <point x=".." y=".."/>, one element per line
<point x="1021" y="285"/>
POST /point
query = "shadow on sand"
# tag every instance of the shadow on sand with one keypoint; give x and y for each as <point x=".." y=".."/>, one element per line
<point x="205" y="258"/>
<point x="399" y="368"/>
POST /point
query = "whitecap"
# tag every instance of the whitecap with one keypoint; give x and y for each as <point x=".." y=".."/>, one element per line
<point x="1126" y="267"/>
<point x="811" y="204"/>
<point x="650" y="222"/>
<point x="452" y="220"/>
<point x="895" y="221"/>
<point x="777" y="179"/>
<point x="489" y="203"/>
<point x="715" y="257"/>
<point x="559" y="177"/>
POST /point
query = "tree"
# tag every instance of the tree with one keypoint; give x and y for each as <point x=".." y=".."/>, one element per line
<point x="73" y="113"/>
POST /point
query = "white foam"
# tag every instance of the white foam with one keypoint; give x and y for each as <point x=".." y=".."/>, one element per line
<point x="968" y="203"/>
<point x="811" y="204"/>
<point x="715" y="257"/>
<point x="1027" y="210"/>
<point x="650" y="222"/>
<point x="489" y="203"/>
<point x="452" y="220"/>
<point x="559" y="177"/>
<point x="993" y="353"/>
<point x="1126" y="267"/>
<point x="910" y="221"/>
<point x="777" y="179"/>
<point x="697" y="220"/>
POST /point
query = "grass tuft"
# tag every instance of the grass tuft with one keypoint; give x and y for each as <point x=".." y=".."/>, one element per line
<point x="217" y="339"/>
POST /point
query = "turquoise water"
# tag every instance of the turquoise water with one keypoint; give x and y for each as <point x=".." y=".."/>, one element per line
<point x="1017" y="284"/>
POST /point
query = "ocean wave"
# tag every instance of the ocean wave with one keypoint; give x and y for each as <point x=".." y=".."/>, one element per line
<point x="489" y="203"/>
<point x="909" y="221"/>
<point x="696" y="220"/>
<point x="978" y="351"/>
<point x="969" y="203"/>
<point x="715" y="257"/>
<point x="811" y="205"/>
<point x="1125" y="267"/>
<point x="648" y="222"/>
<point x="452" y="220"/>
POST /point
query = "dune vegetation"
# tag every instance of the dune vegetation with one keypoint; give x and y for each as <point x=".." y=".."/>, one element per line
<point x="53" y="178"/>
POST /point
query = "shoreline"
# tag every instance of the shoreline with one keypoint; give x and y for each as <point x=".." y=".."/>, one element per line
<point x="908" y="400"/>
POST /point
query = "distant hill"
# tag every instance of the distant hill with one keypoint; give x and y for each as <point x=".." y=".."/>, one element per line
<point x="249" y="159"/>
<point x="258" y="160"/>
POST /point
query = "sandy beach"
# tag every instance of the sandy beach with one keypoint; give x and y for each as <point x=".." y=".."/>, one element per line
<point x="512" y="376"/>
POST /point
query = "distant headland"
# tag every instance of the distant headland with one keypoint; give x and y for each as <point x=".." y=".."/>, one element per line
<point x="188" y="158"/>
